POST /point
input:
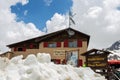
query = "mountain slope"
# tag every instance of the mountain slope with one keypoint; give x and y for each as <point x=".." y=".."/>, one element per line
<point x="115" y="46"/>
<point x="115" y="50"/>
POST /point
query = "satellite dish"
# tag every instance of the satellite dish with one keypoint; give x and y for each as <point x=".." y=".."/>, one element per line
<point x="71" y="33"/>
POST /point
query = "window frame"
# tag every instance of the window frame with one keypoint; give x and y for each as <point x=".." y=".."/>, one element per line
<point x="52" y="44"/>
<point x="72" y="43"/>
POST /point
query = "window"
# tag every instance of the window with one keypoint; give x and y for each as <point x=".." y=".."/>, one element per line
<point x="20" y="49"/>
<point x="72" y="43"/>
<point x="33" y="46"/>
<point x="52" y="44"/>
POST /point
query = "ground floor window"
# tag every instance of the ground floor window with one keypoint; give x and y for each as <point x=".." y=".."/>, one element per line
<point x="56" y="61"/>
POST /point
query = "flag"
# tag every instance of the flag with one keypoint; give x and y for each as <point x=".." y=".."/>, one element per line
<point x="72" y="20"/>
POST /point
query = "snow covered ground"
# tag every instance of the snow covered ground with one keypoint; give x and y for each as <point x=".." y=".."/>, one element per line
<point x="41" y="68"/>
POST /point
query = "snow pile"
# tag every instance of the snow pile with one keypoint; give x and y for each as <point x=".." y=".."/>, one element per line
<point x="41" y="68"/>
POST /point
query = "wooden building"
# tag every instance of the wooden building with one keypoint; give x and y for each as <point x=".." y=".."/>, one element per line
<point x="56" y="44"/>
<point x="7" y="54"/>
<point x="97" y="60"/>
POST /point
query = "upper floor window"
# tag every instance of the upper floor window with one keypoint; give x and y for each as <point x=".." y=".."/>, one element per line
<point x="19" y="49"/>
<point x="33" y="46"/>
<point x="72" y="43"/>
<point x="52" y="44"/>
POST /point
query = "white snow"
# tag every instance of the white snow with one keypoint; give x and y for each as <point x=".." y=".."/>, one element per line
<point x="41" y="68"/>
<point x="113" y="54"/>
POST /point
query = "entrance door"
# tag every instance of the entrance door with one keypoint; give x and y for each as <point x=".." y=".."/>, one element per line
<point x="72" y="58"/>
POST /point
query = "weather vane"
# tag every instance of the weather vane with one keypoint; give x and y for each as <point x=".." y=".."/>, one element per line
<point x="71" y="18"/>
<point x="71" y="21"/>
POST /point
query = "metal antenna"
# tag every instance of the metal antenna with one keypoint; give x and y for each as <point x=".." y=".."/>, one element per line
<point x="71" y="18"/>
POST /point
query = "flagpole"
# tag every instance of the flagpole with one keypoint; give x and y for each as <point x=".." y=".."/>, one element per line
<point x="69" y="19"/>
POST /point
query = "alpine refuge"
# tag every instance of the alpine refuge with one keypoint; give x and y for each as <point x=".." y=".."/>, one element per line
<point x="64" y="46"/>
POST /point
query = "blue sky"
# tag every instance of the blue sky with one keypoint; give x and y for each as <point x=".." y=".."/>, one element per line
<point x="39" y="11"/>
<point x="98" y="18"/>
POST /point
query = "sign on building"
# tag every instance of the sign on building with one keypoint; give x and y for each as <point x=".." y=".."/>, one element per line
<point x="97" y="60"/>
<point x="59" y="52"/>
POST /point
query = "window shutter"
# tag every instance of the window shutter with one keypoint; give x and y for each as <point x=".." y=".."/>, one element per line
<point x="24" y="49"/>
<point x="57" y="61"/>
<point x="31" y="46"/>
<point x="79" y="43"/>
<point x="45" y="44"/>
<point x="64" y="61"/>
<point x="80" y="63"/>
<point x="58" y="44"/>
<point x="15" y="49"/>
<point x="66" y="43"/>
<point x="24" y="45"/>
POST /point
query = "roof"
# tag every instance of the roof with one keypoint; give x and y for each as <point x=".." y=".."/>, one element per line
<point x="6" y="53"/>
<point x="40" y="38"/>
<point x="94" y="50"/>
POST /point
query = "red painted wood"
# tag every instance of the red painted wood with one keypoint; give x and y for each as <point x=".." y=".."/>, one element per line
<point x="31" y="46"/>
<point x="58" y="44"/>
<point x="66" y="43"/>
<point x="79" y="42"/>
<point x="45" y="44"/>
<point x="24" y="49"/>
<point x="15" y="49"/>
<point x="64" y="61"/>
<point x="57" y="61"/>
<point x="80" y="63"/>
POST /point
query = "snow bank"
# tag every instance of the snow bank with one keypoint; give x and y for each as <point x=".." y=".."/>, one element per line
<point x="40" y="68"/>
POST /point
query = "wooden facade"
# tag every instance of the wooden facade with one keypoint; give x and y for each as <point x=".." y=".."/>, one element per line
<point x="56" y="44"/>
<point x="97" y="60"/>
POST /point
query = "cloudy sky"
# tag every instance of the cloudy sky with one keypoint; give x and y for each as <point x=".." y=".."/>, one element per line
<point x="24" y="19"/>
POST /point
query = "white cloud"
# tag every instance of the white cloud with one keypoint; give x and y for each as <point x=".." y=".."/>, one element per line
<point x="48" y="2"/>
<point x="94" y="12"/>
<point x="98" y="18"/>
<point x="12" y="31"/>
<point x="25" y="12"/>
<point x="24" y="1"/>
<point x="57" y="22"/>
